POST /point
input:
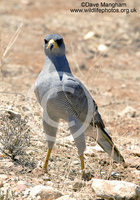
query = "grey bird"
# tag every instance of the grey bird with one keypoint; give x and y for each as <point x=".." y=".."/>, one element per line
<point x="64" y="96"/>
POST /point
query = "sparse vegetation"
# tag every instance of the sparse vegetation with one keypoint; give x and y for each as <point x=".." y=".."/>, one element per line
<point x="14" y="135"/>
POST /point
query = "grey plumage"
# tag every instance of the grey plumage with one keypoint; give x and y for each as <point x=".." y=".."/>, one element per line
<point x="63" y="96"/>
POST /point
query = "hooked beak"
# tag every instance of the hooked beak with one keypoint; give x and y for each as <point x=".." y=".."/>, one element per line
<point x="52" y="44"/>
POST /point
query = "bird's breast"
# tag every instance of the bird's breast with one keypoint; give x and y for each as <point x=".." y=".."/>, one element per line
<point x="58" y="106"/>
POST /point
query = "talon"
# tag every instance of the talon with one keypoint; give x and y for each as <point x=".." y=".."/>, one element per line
<point x="84" y="175"/>
<point x="87" y="176"/>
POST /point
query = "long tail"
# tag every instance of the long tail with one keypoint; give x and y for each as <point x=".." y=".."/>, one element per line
<point x="104" y="140"/>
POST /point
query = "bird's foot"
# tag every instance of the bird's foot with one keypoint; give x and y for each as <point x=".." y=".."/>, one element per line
<point x="87" y="176"/>
<point x="44" y="169"/>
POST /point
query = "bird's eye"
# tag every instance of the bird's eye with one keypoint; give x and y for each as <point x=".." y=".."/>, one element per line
<point x="59" y="41"/>
<point x="45" y="41"/>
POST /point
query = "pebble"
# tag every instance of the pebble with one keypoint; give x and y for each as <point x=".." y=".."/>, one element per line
<point x="88" y="35"/>
<point x="20" y="186"/>
<point x="115" y="174"/>
<point x="97" y="148"/>
<point x="90" y="151"/>
<point x="102" y="47"/>
<point x="78" y="184"/>
<point x="75" y="162"/>
<point x="45" y="192"/>
<point x="3" y="177"/>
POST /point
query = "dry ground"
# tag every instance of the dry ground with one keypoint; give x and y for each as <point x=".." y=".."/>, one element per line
<point x="112" y="76"/>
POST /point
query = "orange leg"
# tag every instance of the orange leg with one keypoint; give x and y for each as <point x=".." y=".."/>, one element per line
<point x="83" y="167"/>
<point x="47" y="159"/>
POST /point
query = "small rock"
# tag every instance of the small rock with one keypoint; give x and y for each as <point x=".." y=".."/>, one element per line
<point x="26" y="193"/>
<point x="16" y="179"/>
<point x="14" y="114"/>
<point x="116" y="190"/>
<point x="115" y="174"/>
<point x="21" y="186"/>
<point x="3" y="177"/>
<point x="45" y="193"/>
<point x="66" y="197"/>
<point x="90" y="151"/>
<point x="25" y="2"/>
<point x="75" y="162"/>
<point x="88" y="35"/>
<point x="68" y="138"/>
<point x="97" y="148"/>
<point x="78" y="184"/>
<point x="46" y="178"/>
<point x="102" y="47"/>
<point x="123" y="86"/>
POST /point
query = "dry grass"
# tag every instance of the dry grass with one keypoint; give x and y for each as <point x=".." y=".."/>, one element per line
<point x="5" y="52"/>
<point x="14" y="134"/>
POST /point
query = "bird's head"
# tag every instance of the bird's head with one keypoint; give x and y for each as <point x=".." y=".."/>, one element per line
<point x="54" y="45"/>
